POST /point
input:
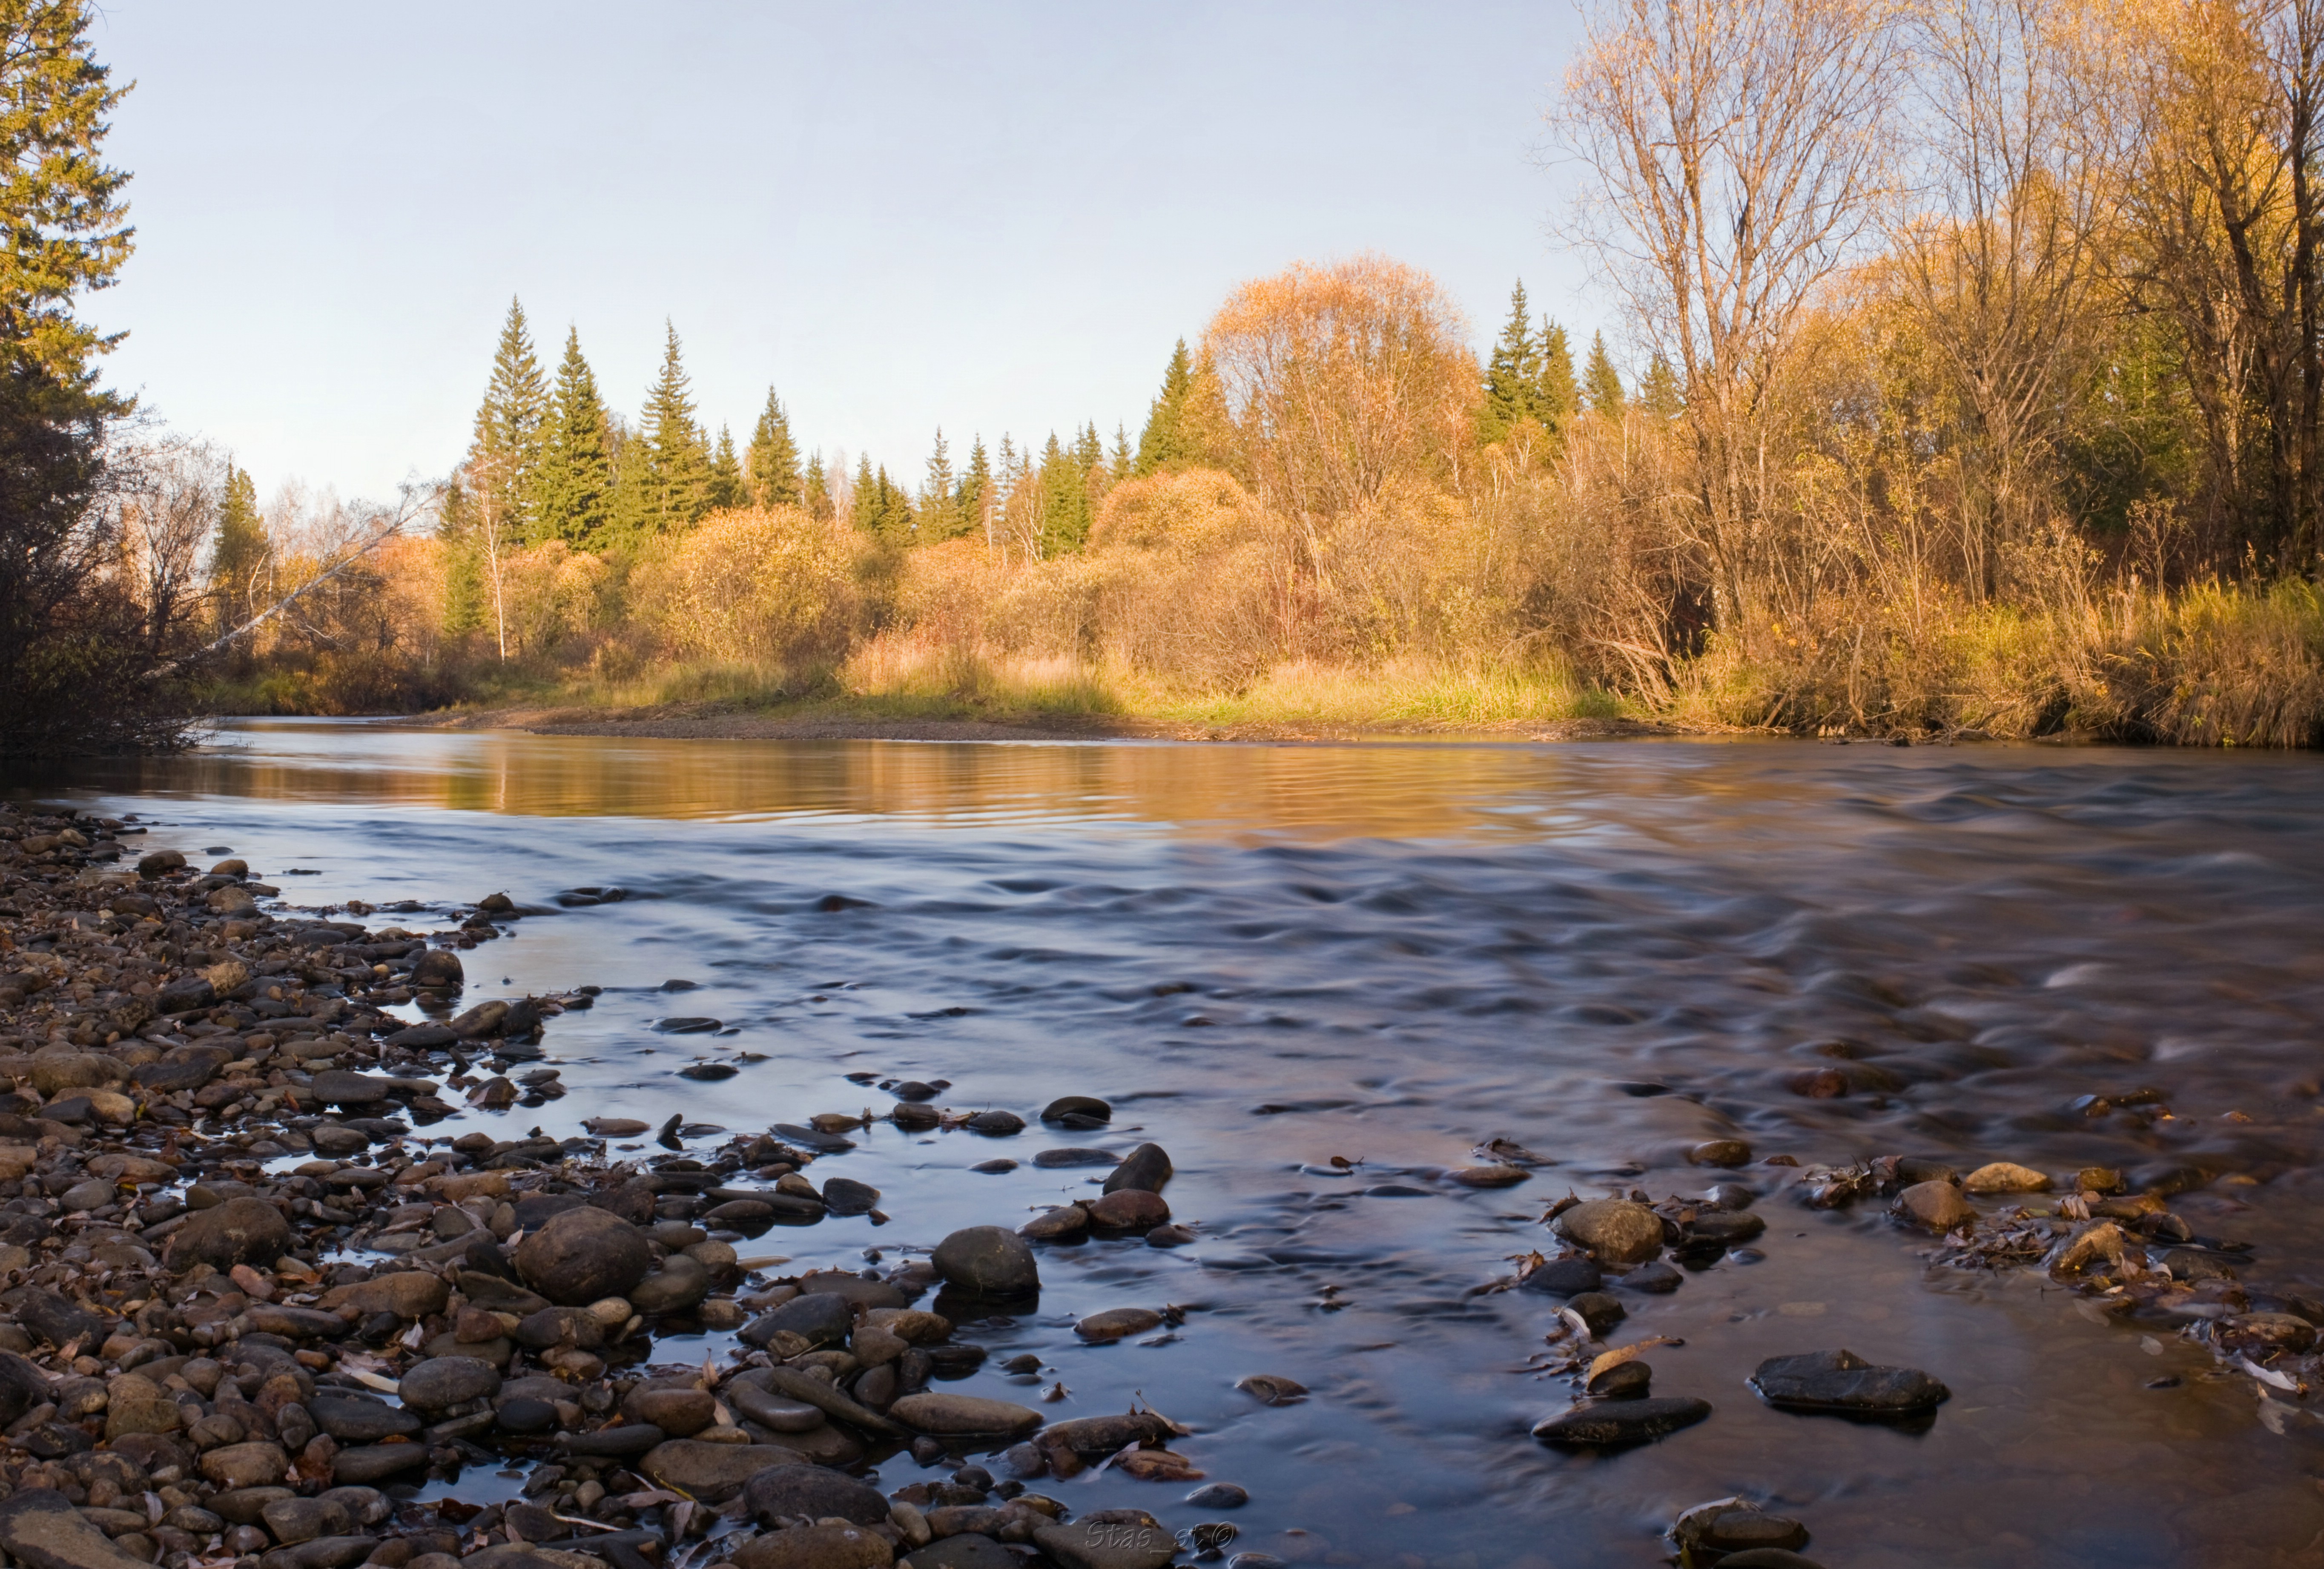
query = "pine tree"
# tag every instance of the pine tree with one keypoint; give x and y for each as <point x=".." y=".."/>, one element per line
<point x="573" y="499"/>
<point x="975" y="487"/>
<point x="939" y="515"/>
<point x="1601" y="384"/>
<point x="1512" y="376"/>
<point x="1659" y="394"/>
<point x="726" y="490"/>
<point x="1120" y="458"/>
<point x="774" y="458"/>
<point x="240" y="552"/>
<point x="817" y="495"/>
<point x="676" y="484"/>
<point x="1207" y="430"/>
<point x="504" y="454"/>
<point x="866" y="498"/>
<point x="1557" y="396"/>
<point x="1163" y="443"/>
<point x="1063" y="480"/>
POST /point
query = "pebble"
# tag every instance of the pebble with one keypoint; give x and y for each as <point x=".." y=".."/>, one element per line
<point x="1272" y="1388"/>
<point x="996" y="1124"/>
<point x="2001" y="1177"/>
<point x="1488" y="1176"/>
<point x="949" y="1415"/>
<point x="1628" y="1381"/>
<point x="1565" y="1277"/>
<point x="1720" y="1152"/>
<point x="782" y="1493"/>
<point x="1069" y="1220"/>
<point x="1077" y="1111"/>
<point x="814" y="1548"/>
<point x="1128" y="1209"/>
<point x="1616" y="1230"/>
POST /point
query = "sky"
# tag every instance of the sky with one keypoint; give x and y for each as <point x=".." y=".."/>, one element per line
<point x="991" y="217"/>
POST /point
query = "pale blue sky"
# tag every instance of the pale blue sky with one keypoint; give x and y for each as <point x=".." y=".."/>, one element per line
<point x="990" y="218"/>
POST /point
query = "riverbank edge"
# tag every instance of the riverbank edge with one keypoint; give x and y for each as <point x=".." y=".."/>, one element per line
<point x="712" y="722"/>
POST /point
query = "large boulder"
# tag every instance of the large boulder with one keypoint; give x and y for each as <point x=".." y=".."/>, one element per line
<point x="988" y="1261"/>
<point x="583" y="1256"/>
<point x="241" y="1230"/>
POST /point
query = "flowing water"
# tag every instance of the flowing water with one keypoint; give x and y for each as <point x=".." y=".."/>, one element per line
<point x="1268" y="957"/>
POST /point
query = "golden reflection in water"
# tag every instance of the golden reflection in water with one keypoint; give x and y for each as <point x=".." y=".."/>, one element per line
<point x="1399" y="791"/>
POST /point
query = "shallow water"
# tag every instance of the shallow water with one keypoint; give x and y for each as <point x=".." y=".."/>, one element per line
<point x="1268" y="956"/>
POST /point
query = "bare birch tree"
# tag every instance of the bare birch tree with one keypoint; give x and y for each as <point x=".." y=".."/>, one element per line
<point x="1736" y="151"/>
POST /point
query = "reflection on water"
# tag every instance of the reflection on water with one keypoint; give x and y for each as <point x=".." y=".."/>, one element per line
<point x="1267" y="957"/>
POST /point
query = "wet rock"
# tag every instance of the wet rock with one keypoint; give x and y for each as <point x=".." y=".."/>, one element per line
<point x="2257" y="1333"/>
<point x="1619" y="1422"/>
<point x="1128" y="1209"/>
<point x="1272" y="1388"/>
<point x="1629" y="1381"/>
<point x="439" y="969"/>
<point x="1488" y="1176"/>
<point x="1565" y="1277"/>
<point x="583" y="1255"/>
<point x="814" y="1548"/>
<point x="1117" y="1323"/>
<point x="407" y="1294"/>
<point x="2094" y="1247"/>
<point x="440" y="1383"/>
<point x="241" y="1230"/>
<point x="2001" y="1177"/>
<point x="782" y="1493"/>
<point x="820" y="1317"/>
<point x="1106" y="1544"/>
<point x="39" y="1527"/>
<point x="996" y="1124"/>
<point x="184" y="995"/>
<point x="526" y="1417"/>
<point x="1723" y="1228"/>
<point x="1077" y="1112"/>
<point x="339" y="1087"/>
<point x="1218" y="1495"/>
<point x="956" y="1416"/>
<point x="1736" y="1525"/>
<point x="352" y="1420"/>
<point x="1936" y="1206"/>
<point x="713" y="1472"/>
<point x="246" y="1464"/>
<point x="1767" y="1558"/>
<point x="679" y="1284"/>
<point x="155" y="862"/>
<point x="373" y="1463"/>
<point x="1174" y="1235"/>
<point x="1726" y="1152"/>
<point x="968" y="1551"/>
<point x="1070" y="1220"/>
<point x="554" y="1327"/>
<point x="1616" y="1229"/>
<point x="1598" y="1311"/>
<point x="988" y="1261"/>
<point x="680" y="1413"/>
<point x="293" y="1520"/>
<point x="843" y="1196"/>
<point x="1146" y="1167"/>
<point x="772" y="1411"/>
<point x="1843" y="1381"/>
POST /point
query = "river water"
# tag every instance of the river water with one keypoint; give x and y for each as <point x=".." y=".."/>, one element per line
<point x="1268" y="957"/>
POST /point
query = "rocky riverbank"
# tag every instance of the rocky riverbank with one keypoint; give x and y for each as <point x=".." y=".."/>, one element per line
<point x="255" y="1312"/>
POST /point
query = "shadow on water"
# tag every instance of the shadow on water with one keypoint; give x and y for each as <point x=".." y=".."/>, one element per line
<point x="1268" y="956"/>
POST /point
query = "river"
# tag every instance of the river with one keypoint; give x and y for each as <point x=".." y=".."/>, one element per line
<point x="1268" y="956"/>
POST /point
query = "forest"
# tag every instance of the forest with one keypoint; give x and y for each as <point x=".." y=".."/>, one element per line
<point x="1967" y="380"/>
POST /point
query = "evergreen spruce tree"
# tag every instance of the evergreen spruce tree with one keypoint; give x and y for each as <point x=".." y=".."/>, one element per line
<point x="1601" y="384"/>
<point x="727" y="489"/>
<point x="574" y="495"/>
<point x="1063" y="480"/>
<point x="1659" y="394"/>
<point x="1121" y="459"/>
<point x="1512" y="376"/>
<point x="816" y="496"/>
<point x="1207" y="429"/>
<point x="511" y="429"/>
<point x="677" y="480"/>
<point x="1089" y="451"/>
<point x="975" y="486"/>
<point x="774" y="458"/>
<point x="866" y="497"/>
<point x="240" y="552"/>
<point x="1557" y="395"/>
<point x="939" y="514"/>
<point x="1163" y="444"/>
